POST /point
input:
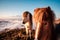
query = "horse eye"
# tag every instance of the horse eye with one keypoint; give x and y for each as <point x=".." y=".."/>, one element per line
<point x="45" y="23"/>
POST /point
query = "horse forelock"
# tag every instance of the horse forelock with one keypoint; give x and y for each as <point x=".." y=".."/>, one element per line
<point x="47" y="14"/>
<point x="38" y="13"/>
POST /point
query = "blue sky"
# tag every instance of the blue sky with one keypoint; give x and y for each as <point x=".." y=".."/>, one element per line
<point x="17" y="7"/>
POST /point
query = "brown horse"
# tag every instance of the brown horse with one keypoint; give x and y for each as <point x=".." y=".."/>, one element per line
<point x="44" y="19"/>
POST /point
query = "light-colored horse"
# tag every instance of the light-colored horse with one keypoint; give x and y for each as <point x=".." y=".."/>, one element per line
<point x="27" y="20"/>
<point x="44" y="20"/>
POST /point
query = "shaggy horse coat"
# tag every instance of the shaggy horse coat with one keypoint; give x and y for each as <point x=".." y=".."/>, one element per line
<point x="44" y="19"/>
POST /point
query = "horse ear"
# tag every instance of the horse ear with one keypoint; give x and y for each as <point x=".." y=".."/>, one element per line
<point x="49" y="7"/>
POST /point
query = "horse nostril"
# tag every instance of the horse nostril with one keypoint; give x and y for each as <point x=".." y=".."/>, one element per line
<point x="23" y="22"/>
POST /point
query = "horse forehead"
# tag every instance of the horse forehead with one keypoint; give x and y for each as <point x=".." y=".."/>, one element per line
<point x="38" y="13"/>
<point x="25" y="14"/>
